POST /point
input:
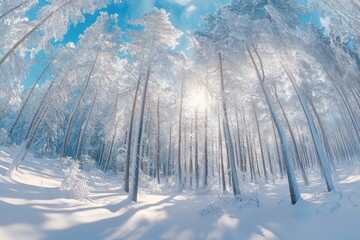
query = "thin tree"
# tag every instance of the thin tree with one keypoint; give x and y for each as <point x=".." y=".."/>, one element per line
<point x="322" y="133"/>
<point x="32" y="30"/>
<point x="13" y="9"/>
<point x="83" y="130"/>
<point x="191" y="168"/>
<point x="179" y="178"/>
<point x="129" y="137"/>
<point x="168" y="168"/>
<point x="197" y="182"/>
<point x="107" y="164"/>
<point x="228" y="140"/>
<point x="29" y="95"/>
<point x="133" y="194"/>
<point x="222" y="169"/>
<point x="323" y="160"/>
<point x="293" y="186"/>
<point x="76" y="109"/>
<point x="158" y="149"/>
<point x="260" y="143"/>
<point x="205" y="156"/>
<point x="297" y="153"/>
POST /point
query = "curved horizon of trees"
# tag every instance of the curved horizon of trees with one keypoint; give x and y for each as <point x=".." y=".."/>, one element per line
<point x="259" y="96"/>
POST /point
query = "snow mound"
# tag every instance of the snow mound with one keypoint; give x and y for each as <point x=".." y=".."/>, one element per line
<point x="225" y="203"/>
<point x="73" y="184"/>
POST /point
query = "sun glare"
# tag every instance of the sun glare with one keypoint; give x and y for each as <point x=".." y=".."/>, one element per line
<point x="199" y="99"/>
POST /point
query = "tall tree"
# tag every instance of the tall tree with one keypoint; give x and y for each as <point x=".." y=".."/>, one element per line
<point x="324" y="162"/>
<point x="154" y="42"/>
<point x="293" y="186"/>
<point x="228" y="140"/>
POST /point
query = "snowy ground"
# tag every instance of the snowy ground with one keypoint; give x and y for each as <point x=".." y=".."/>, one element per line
<point x="33" y="207"/>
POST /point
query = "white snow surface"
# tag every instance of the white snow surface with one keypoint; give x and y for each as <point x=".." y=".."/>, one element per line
<point x="32" y="206"/>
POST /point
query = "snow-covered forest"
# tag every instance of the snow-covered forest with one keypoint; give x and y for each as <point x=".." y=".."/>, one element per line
<point x="244" y="125"/>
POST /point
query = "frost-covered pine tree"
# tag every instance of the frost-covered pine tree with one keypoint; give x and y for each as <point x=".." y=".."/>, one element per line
<point x="153" y="43"/>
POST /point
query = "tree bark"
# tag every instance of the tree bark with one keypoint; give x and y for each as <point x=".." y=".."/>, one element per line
<point x="206" y="160"/>
<point x="158" y="143"/>
<point x="261" y="145"/>
<point x="229" y="143"/>
<point x="81" y="142"/>
<point x="72" y="117"/>
<point x="113" y="136"/>
<point x="129" y="137"/>
<point x="197" y="183"/>
<point x="135" y="176"/>
<point x="12" y="9"/>
<point x="37" y="111"/>
<point x="223" y="182"/>
<point x="297" y="153"/>
<point x="293" y="186"/>
<point x="29" y="95"/>
<point x="179" y="177"/>
<point x="168" y="170"/>
<point x="191" y="168"/>
<point x="323" y="160"/>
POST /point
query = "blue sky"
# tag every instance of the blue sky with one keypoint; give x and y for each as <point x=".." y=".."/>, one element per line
<point x="185" y="14"/>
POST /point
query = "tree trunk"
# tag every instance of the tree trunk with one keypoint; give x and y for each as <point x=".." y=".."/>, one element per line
<point x="12" y="9"/>
<point x="261" y="145"/>
<point x="293" y="186"/>
<point x="81" y="142"/>
<point x="297" y="154"/>
<point x="168" y="172"/>
<point x="179" y="178"/>
<point x="37" y="111"/>
<point x="279" y="157"/>
<point x="72" y="117"/>
<point x="28" y="141"/>
<point x="270" y="161"/>
<point x="346" y="103"/>
<point x="240" y="147"/>
<point x="223" y="182"/>
<point x="197" y="183"/>
<point x="191" y="168"/>
<point x="185" y="170"/>
<point x="107" y="163"/>
<point x="206" y="160"/>
<point x="129" y="137"/>
<point x="323" y="160"/>
<point x="30" y="136"/>
<point x="36" y="27"/>
<point x="229" y="143"/>
<point x="323" y="134"/>
<point x="158" y="143"/>
<point x="29" y="95"/>
<point x="135" y="176"/>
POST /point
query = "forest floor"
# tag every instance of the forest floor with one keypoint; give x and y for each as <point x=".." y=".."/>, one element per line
<point x="32" y="206"/>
